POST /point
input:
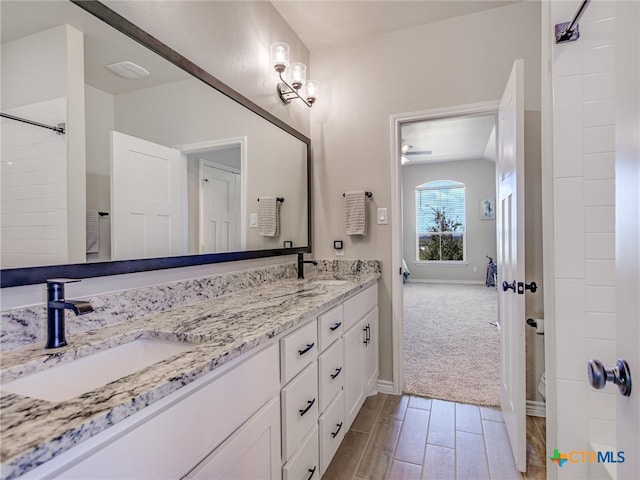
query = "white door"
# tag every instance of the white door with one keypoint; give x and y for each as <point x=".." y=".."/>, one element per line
<point x="628" y="231"/>
<point x="219" y="209"/>
<point x="510" y="226"/>
<point x="146" y="199"/>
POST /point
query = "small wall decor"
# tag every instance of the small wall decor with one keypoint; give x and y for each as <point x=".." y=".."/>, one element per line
<point x="487" y="212"/>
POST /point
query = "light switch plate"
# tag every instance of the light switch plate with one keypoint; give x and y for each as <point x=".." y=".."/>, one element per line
<point x="253" y="220"/>
<point x="382" y="216"/>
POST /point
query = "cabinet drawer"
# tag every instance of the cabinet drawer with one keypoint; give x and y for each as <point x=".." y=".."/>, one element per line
<point x="356" y="307"/>
<point x="170" y="443"/>
<point x="330" y="327"/>
<point x="304" y="464"/>
<point x="299" y="409"/>
<point x="331" y="431"/>
<point x="330" y="373"/>
<point x="298" y="350"/>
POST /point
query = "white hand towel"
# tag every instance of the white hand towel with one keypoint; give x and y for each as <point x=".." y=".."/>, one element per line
<point x="93" y="232"/>
<point x="355" y="212"/>
<point x="268" y="217"/>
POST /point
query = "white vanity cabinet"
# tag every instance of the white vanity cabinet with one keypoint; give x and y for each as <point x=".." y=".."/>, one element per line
<point x="360" y="350"/>
<point x="216" y="419"/>
<point x="280" y="412"/>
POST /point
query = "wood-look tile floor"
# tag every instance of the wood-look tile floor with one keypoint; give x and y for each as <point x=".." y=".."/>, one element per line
<point x="404" y="437"/>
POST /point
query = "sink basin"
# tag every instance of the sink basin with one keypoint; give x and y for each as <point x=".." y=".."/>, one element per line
<point x="68" y="380"/>
<point x="329" y="282"/>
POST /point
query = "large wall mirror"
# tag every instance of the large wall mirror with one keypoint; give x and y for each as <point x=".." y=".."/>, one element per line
<point x="160" y="164"/>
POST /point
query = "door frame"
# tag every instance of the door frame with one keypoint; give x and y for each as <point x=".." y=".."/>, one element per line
<point x="189" y="148"/>
<point x="397" y="327"/>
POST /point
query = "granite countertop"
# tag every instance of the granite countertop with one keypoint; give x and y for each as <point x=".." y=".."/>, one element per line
<point x="33" y="431"/>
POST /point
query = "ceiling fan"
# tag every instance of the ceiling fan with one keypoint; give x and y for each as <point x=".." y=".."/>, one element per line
<point x="407" y="151"/>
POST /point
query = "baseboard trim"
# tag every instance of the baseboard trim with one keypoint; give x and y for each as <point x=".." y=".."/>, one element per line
<point x="453" y="282"/>
<point x="385" y="386"/>
<point x="536" y="409"/>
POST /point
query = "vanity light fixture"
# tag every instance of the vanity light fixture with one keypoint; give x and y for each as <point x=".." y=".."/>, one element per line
<point x="287" y="91"/>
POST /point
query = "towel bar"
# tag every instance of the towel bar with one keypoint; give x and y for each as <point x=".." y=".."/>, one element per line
<point x="368" y="194"/>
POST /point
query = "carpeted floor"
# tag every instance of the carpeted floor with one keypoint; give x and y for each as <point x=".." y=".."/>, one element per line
<point x="451" y="350"/>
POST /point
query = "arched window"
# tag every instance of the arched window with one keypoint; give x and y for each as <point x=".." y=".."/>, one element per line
<point x="440" y="221"/>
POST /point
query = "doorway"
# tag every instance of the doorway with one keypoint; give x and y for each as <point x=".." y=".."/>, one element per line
<point x="400" y="204"/>
<point x="451" y="343"/>
<point x="216" y="194"/>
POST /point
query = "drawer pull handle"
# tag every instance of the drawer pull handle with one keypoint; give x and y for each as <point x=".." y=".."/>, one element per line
<point x="309" y="405"/>
<point x="335" y="327"/>
<point x="311" y="472"/>
<point x="308" y="347"/>
<point x="334" y="434"/>
<point x="338" y="370"/>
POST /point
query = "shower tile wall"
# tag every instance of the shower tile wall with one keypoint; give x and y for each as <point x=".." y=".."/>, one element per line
<point x="34" y="187"/>
<point x="584" y="202"/>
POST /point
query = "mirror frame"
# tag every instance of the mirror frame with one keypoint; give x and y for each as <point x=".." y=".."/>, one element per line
<point x="13" y="277"/>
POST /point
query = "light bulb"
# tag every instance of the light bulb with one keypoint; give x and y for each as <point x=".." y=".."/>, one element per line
<point x="312" y="90"/>
<point x="298" y="75"/>
<point x="279" y="52"/>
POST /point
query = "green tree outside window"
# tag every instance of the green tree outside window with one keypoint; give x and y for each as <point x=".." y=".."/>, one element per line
<point x="440" y="209"/>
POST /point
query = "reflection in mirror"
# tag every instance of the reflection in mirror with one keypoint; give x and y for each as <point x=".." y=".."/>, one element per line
<point x="150" y="166"/>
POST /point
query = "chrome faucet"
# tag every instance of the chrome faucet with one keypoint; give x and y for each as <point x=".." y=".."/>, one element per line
<point x="56" y="305"/>
<point x="301" y="263"/>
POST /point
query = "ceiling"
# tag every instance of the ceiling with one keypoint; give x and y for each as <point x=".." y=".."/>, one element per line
<point x="321" y="23"/>
<point x="102" y="44"/>
<point x="330" y="24"/>
<point x="470" y="137"/>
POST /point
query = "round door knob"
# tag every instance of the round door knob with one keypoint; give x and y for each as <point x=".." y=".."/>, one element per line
<point x="620" y="375"/>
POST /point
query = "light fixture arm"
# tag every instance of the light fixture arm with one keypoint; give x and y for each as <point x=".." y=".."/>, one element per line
<point x="287" y="92"/>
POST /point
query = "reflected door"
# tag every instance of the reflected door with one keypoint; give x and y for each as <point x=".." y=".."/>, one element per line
<point x="146" y="199"/>
<point x="219" y="209"/>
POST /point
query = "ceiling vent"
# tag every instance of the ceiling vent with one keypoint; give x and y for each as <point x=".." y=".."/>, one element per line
<point x="128" y="70"/>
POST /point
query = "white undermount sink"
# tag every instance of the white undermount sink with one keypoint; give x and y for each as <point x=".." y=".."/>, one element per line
<point x="68" y="380"/>
<point x="329" y="282"/>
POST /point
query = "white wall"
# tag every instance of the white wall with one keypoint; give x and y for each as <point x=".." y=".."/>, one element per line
<point x="479" y="177"/>
<point x="454" y="62"/>
<point x="584" y="224"/>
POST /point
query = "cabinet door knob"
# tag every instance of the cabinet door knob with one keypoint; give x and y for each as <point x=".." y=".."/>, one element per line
<point x="307" y="348"/>
<point x="309" y="405"/>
